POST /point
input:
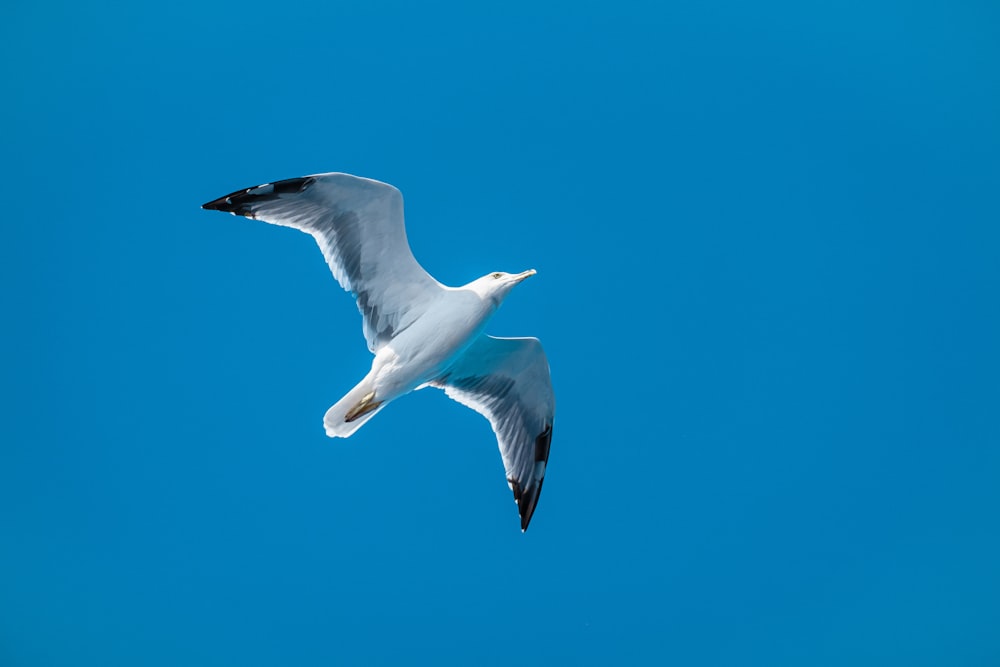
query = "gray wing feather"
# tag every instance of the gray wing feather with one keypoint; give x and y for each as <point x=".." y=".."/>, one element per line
<point x="507" y="381"/>
<point x="358" y="224"/>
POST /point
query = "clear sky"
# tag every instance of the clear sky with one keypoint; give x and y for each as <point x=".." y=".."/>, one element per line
<point x="767" y="245"/>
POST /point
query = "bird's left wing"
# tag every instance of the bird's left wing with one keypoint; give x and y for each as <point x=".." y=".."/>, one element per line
<point x="358" y="224"/>
<point x="507" y="381"/>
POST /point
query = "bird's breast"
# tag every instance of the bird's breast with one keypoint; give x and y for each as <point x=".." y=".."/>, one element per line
<point x="423" y="350"/>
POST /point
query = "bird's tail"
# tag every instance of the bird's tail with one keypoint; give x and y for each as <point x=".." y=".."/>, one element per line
<point x="352" y="411"/>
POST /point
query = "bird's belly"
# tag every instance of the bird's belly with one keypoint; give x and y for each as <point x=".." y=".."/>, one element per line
<point x="421" y="352"/>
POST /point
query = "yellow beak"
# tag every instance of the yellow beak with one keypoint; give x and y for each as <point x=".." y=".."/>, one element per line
<point x="527" y="274"/>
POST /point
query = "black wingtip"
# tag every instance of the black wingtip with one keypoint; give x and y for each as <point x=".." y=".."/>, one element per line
<point x="241" y="202"/>
<point x="237" y="203"/>
<point x="220" y="204"/>
<point x="527" y="502"/>
<point x="527" y="499"/>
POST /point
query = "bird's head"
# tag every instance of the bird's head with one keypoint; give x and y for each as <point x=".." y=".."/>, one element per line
<point x="496" y="285"/>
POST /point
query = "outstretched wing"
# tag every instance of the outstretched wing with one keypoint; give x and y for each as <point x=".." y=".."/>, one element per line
<point x="507" y="381"/>
<point x="358" y="224"/>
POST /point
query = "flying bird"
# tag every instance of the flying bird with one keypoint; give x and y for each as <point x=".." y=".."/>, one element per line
<point x="422" y="333"/>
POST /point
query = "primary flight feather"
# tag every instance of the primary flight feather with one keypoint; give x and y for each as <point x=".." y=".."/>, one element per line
<point x="422" y="333"/>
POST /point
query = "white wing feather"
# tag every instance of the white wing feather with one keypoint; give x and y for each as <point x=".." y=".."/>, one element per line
<point x="507" y="381"/>
<point x="358" y="224"/>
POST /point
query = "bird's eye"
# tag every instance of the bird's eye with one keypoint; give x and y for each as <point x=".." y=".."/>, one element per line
<point x="497" y="275"/>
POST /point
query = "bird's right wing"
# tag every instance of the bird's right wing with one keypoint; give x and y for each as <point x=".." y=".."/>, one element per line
<point x="507" y="381"/>
<point x="358" y="224"/>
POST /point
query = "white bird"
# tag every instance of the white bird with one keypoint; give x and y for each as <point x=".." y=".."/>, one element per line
<point x="422" y="333"/>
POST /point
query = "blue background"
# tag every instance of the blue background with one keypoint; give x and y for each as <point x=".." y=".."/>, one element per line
<point x="767" y="242"/>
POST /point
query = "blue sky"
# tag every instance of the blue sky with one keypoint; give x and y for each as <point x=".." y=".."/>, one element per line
<point x="767" y="242"/>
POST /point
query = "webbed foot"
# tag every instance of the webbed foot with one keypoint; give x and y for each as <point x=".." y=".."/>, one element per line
<point x="364" y="406"/>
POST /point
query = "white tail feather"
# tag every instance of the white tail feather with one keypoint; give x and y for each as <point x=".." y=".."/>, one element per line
<point x="335" y="418"/>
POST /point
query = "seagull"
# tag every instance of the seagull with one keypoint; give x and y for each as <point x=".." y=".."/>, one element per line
<point x="422" y="333"/>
